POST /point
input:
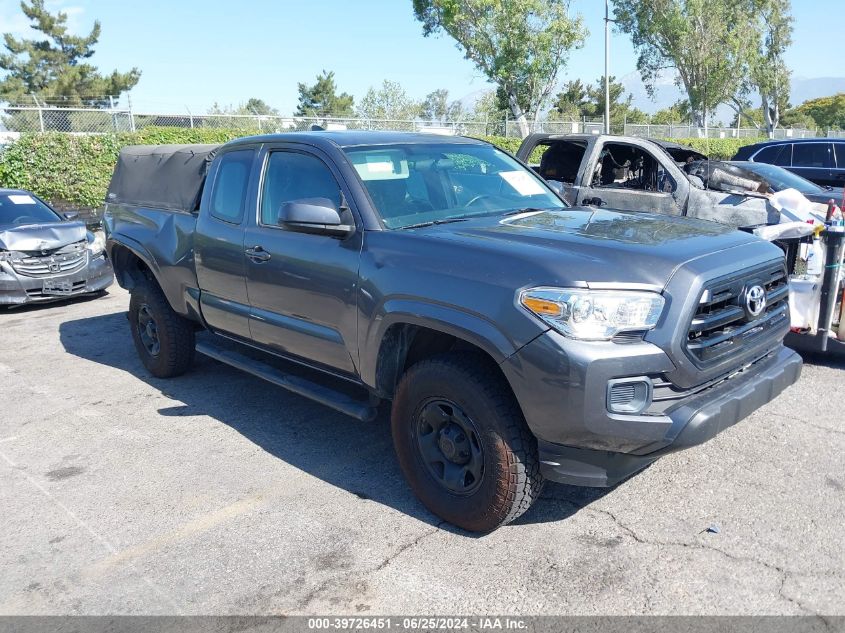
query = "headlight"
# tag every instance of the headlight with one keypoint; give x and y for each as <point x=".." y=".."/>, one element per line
<point x="594" y="315"/>
<point x="97" y="245"/>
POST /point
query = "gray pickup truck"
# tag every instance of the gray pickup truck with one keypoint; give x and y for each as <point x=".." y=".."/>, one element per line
<point x="518" y="339"/>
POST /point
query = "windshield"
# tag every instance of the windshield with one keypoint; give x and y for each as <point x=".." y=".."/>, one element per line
<point x="22" y="208"/>
<point x="780" y="178"/>
<point x="428" y="183"/>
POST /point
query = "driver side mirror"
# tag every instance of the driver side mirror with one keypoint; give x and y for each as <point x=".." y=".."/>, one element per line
<point x="71" y="215"/>
<point x="318" y="216"/>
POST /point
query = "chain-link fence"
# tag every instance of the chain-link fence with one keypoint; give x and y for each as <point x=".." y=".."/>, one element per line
<point x="15" y="120"/>
<point x="675" y="130"/>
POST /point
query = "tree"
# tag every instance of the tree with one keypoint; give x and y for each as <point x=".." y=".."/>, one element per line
<point x="766" y="72"/>
<point x="678" y="112"/>
<point x="259" y="107"/>
<point x="769" y="73"/>
<point x="437" y="107"/>
<point x="321" y="98"/>
<point x="390" y="101"/>
<point x="708" y="43"/>
<point x="520" y="45"/>
<point x="55" y="69"/>
<point x="253" y="106"/>
<point x="572" y="102"/>
<point x="827" y="112"/>
<point x="795" y="118"/>
<point x="577" y="100"/>
<point x="486" y="108"/>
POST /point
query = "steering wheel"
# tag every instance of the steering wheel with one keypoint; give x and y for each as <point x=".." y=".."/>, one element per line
<point x="20" y="220"/>
<point x="478" y="198"/>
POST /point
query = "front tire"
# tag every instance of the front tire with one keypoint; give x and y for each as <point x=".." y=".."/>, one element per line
<point x="164" y="340"/>
<point x="463" y="444"/>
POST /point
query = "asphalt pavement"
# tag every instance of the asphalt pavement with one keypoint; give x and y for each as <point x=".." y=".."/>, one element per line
<point x="217" y="493"/>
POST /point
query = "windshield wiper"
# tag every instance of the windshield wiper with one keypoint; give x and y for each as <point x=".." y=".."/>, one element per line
<point x="433" y="223"/>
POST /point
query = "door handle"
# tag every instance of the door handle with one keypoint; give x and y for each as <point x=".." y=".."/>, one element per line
<point x="257" y="254"/>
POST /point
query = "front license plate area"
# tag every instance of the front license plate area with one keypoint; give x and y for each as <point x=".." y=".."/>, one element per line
<point x="57" y="287"/>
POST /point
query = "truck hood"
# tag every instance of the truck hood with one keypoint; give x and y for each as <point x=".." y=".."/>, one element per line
<point x="41" y="237"/>
<point x="583" y="246"/>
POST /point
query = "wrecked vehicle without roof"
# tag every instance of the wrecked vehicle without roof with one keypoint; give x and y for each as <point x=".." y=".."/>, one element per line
<point x="637" y="174"/>
<point x="518" y="339"/>
<point x="662" y="177"/>
<point x="45" y="256"/>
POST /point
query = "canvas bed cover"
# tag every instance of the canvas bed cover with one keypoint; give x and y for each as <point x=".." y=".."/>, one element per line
<point x="161" y="176"/>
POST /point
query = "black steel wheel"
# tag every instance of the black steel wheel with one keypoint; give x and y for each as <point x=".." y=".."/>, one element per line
<point x="148" y="331"/>
<point x="462" y="442"/>
<point x="450" y="446"/>
<point x="163" y="339"/>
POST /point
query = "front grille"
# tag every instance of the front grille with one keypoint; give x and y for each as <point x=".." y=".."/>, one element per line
<point x="723" y="322"/>
<point x="67" y="259"/>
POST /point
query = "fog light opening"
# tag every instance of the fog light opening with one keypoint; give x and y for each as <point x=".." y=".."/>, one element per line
<point x="628" y="395"/>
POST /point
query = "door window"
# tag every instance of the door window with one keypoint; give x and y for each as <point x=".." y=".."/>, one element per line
<point x="812" y="155"/>
<point x="621" y="166"/>
<point x="229" y="192"/>
<point x="775" y="155"/>
<point x="294" y="176"/>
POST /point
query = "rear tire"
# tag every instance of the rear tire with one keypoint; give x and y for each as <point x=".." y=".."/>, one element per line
<point x="463" y="444"/>
<point x="164" y="340"/>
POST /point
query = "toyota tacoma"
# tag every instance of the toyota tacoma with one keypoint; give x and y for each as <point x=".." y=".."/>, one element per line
<point x="517" y="338"/>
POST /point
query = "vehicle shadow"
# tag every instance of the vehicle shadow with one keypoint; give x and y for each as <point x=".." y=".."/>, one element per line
<point x="357" y="457"/>
<point x="832" y="360"/>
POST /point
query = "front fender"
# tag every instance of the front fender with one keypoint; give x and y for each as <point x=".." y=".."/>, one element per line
<point x="470" y="327"/>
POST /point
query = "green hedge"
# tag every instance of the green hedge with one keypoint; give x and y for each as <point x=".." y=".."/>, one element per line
<point x="74" y="171"/>
<point x="717" y="148"/>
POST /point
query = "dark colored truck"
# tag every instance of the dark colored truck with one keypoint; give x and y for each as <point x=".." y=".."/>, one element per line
<point x="518" y="339"/>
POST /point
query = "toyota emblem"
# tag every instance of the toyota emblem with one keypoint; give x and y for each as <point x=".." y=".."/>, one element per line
<point x="755" y="300"/>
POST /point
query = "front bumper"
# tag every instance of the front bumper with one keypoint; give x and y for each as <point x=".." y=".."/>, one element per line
<point x="581" y="443"/>
<point x="17" y="289"/>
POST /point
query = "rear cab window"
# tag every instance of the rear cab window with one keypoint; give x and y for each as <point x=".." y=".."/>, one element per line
<point x="558" y="160"/>
<point x="228" y="194"/>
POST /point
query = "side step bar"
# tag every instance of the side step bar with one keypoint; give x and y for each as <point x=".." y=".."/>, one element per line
<point x="358" y="409"/>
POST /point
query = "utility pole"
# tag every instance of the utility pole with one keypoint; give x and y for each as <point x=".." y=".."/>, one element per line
<point x="607" y="22"/>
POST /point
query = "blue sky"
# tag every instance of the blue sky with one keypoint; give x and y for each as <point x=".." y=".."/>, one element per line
<point x="195" y="52"/>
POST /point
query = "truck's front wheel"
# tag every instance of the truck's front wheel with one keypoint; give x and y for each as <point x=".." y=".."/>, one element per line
<point x="463" y="444"/>
<point x="164" y="340"/>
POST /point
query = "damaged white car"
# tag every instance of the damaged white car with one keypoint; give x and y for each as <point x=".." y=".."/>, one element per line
<point x="45" y="256"/>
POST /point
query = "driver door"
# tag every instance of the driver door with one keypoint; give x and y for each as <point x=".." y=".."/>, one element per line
<point x="599" y="185"/>
<point x="302" y="287"/>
